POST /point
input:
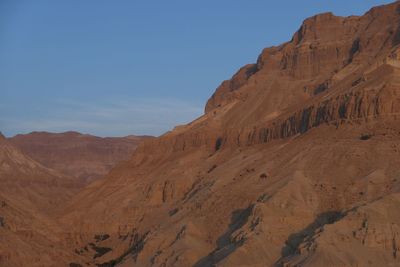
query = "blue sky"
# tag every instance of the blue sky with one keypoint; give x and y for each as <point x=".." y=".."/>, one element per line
<point x="113" y="68"/>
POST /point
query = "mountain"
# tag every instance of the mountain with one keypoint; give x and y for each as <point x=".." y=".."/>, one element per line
<point x="31" y="184"/>
<point x="83" y="156"/>
<point x="293" y="164"/>
<point x="30" y="194"/>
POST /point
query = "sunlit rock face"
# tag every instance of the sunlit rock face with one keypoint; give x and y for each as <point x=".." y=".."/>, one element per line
<point x="294" y="163"/>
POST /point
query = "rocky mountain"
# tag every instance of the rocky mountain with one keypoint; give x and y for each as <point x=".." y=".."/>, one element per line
<point x="83" y="156"/>
<point x="31" y="184"/>
<point x="30" y="195"/>
<point x="294" y="163"/>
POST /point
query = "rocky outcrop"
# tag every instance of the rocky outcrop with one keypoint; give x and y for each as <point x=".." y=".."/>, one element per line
<point x="322" y="47"/>
<point x="353" y="106"/>
<point x="334" y="70"/>
<point x="223" y="94"/>
<point x="352" y="102"/>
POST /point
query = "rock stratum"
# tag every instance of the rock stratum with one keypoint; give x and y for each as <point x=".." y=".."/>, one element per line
<point x="294" y="163"/>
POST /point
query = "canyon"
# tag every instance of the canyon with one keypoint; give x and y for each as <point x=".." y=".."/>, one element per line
<point x="295" y="162"/>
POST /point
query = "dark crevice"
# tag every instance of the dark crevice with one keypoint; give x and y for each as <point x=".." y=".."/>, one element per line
<point x="212" y="168"/>
<point x="322" y="87"/>
<point x="306" y="235"/>
<point x="226" y="245"/>
<point x="100" y="251"/>
<point x="356" y="47"/>
<point x="394" y="247"/>
<point x="101" y="237"/>
<point x="173" y="212"/>
<point x="218" y="143"/>
<point x="396" y="36"/>
<point x="133" y="250"/>
<point x="365" y="137"/>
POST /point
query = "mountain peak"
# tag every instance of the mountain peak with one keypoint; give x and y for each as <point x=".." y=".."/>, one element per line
<point x="324" y="45"/>
<point x="317" y="27"/>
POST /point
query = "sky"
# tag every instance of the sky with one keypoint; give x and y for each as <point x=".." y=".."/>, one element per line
<point x="115" y="68"/>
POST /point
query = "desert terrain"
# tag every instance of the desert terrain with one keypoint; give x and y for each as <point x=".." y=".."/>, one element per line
<point x="295" y="162"/>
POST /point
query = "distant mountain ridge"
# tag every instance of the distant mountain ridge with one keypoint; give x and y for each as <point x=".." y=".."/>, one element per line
<point x="83" y="156"/>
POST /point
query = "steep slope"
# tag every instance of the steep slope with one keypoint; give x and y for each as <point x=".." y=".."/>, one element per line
<point x="247" y="206"/>
<point x="31" y="184"/>
<point x="29" y="238"/>
<point x="83" y="156"/>
<point x="294" y="162"/>
<point x="328" y="53"/>
<point x="29" y="194"/>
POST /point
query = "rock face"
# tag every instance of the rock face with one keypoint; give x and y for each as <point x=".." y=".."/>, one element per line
<point x="294" y="163"/>
<point x="83" y="156"/>
<point x="325" y="52"/>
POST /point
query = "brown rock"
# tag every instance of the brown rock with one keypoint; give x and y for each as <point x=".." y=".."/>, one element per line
<point x="299" y="113"/>
<point x="330" y="198"/>
<point x="83" y="156"/>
